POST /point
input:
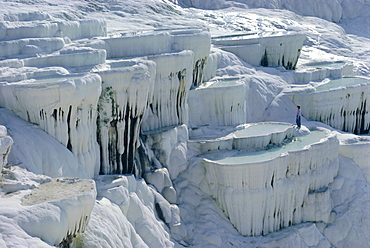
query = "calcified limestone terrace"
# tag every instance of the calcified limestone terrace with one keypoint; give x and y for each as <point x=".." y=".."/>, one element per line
<point x="65" y="107"/>
<point x="358" y="152"/>
<point x="38" y="151"/>
<point x="160" y="42"/>
<point x="127" y="91"/>
<point x="5" y="145"/>
<point x="237" y="178"/>
<point x="172" y="83"/>
<point x="320" y="70"/>
<point x="265" y="49"/>
<point x="216" y="106"/>
<point x="138" y="123"/>
<point x="69" y="58"/>
<point x="59" y="210"/>
<point x="341" y="103"/>
<point x="246" y="136"/>
<point x="163" y="103"/>
<point x="42" y="29"/>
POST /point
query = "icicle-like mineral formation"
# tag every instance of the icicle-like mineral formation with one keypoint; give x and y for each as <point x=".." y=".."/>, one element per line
<point x="64" y="107"/>
<point x="172" y="83"/>
<point x="341" y="103"/>
<point x="261" y="192"/>
<point x="127" y="92"/>
<point x="59" y="210"/>
<point x="220" y="103"/>
<point x="273" y="49"/>
<point x="196" y="40"/>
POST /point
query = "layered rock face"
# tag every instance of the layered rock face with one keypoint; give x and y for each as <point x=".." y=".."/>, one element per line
<point x="58" y="210"/>
<point x="341" y="103"/>
<point x="127" y="90"/>
<point x="5" y="146"/>
<point x="269" y="49"/>
<point x="64" y="107"/>
<point x="98" y="113"/>
<point x="263" y="187"/>
<point x="126" y="105"/>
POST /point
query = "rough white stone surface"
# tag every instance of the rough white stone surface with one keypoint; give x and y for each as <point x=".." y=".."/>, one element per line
<point x="5" y="146"/>
<point x="64" y="107"/>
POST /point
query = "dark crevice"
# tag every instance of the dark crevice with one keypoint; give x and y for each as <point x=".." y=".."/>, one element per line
<point x="264" y="60"/>
<point x="69" y="145"/>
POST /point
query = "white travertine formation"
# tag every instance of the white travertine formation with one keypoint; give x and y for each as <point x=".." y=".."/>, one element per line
<point x="256" y="135"/>
<point x="359" y="153"/>
<point x="126" y="94"/>
<point x="196" y="40"/>
<point x="30" y="46"/>
<point x="170" y="148"/>
<point x="219" y="103"/>
<point x="169" y="105"/>
<point x="285" y="189"/>
<point x="315" y="71"/>
<point x="69" y="58"/>
<point x="341" y="103"/>
<point x="57" y="211"/>
<point x="5" y="146"/>
<point x="210" y="68"/>
<point x="273" y="49"/>
<point x="37" y="151"/>
<point x="128" y="113"/>
<point x="64" y="107"/>
<point x="138" y="203"/>
<point x="42" y="29"/>
<point x="24" y="73"/>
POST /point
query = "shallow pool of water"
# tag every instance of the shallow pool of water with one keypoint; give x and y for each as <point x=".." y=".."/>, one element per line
<point x="58" y="79"/>
<point x="329" y="64"/>
<point x="342" y="82"/>
<point x="245" y="157"/>
<point x="261" y="129"/>
<point x="226" y="83"/>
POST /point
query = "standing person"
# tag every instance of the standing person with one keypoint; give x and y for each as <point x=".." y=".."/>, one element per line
<point x="298" y="117"/>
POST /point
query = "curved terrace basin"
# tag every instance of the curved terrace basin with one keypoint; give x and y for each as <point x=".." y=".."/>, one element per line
<point x="248" y="157"/>
<point x="341" y="103"/>
<point x="247" y="136"/>
<point x="303" y="167"/>
<point x="225" y="82"/>
<point x="342" y="82"/>
<point x="319" y="70"/>
<point x="321" y="64"/>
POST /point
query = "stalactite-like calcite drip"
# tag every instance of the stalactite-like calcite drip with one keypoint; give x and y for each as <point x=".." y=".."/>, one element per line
<point x="220" y="102"/>
<point x="273" y="49"/>
<point x="127" y="89"/>
<point x="197" y="41"/>
<point x="262" y="194"/>
<point x="64" y="107"/>
<point x="345" y="108"/>
<point x="172" y="83"/>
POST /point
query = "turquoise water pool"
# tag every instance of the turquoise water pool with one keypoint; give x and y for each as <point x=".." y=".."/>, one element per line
<point x="261" y="129"/>
<point x="245" y="157"/>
